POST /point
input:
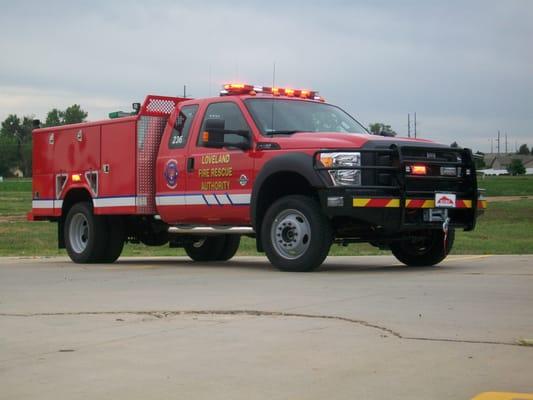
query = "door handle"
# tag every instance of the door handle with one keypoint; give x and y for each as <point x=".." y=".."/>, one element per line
<point x="190" y="164"/>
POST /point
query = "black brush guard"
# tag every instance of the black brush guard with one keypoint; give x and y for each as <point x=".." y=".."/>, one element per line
<point x="402" y="185"/>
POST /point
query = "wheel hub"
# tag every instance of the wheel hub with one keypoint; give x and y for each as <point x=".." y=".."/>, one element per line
<point x="79" y="233"/>
<point x="291" y="234"/>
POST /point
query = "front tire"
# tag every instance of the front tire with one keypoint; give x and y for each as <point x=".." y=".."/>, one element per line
<point x="85" y="234"/>
<point x="296" y="235"/>
<point x="424" y="249"/>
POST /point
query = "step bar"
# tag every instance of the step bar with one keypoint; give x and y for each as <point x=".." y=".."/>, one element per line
<point x="211" y="230"/>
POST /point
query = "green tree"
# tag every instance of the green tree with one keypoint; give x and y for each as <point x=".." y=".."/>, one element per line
<point x="8" y="154"/>
<point x="378" y="128"/>
<point x="54" y="117"/>
<point x="19" y="133"/>
<point x="523" y="149"/>
<point x="516" y="167"/>
<point x="74" y="114"/>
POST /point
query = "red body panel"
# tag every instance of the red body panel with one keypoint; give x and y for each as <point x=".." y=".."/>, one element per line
<point x="103" y="151"/>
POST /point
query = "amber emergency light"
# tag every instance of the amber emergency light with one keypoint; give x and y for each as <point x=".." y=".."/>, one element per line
<point x="243" y="88"/>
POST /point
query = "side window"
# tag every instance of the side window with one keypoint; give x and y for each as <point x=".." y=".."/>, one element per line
<point x="182" y="126"/>
<point x="233" y="120"/>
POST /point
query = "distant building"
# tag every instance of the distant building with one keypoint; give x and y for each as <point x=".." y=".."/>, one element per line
<point x="496" y="164"/>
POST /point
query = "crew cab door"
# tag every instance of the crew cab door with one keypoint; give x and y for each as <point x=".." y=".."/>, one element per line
<point x="219" y="180"/>
<point x="171" y="176"/>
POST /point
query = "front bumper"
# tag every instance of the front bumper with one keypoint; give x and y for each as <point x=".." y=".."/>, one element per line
<point x="401" y="202"/>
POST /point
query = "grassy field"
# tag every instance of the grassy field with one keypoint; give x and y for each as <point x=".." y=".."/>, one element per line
<point x="507" y="185"/>
<point x="506" y="227"/>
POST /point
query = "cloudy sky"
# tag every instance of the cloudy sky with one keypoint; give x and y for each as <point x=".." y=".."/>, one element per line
<point x="465" y="67"/>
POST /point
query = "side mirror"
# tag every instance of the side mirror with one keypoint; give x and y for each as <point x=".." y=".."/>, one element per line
<point x="215" y="136"/>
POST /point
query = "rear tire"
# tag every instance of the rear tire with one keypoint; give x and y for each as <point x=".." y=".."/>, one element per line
<point x="426" y="250"/>
<point x="115" y="243"/>
<point x="206" y="249"/>
<point x="214" y="248"/>
<point x="296" y="235"/>
<point x="85" y="234"/>
<point x="230" y="247"/>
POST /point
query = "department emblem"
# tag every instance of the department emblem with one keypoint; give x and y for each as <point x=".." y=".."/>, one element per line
<point x="171" y="173"/>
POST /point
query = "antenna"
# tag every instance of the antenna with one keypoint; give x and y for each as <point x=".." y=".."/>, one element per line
<point x="273" y="86"/>
<point x="210" y="80"/>
<point x="184" y="90"/>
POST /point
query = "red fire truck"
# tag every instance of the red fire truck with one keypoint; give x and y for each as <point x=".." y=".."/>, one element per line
<point x="276" y="164"/>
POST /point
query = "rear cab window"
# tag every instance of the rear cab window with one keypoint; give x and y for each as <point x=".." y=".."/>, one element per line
<point x="182" y="126"/>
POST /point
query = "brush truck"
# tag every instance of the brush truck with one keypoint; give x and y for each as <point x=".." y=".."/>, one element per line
<point x="276" y="164"/>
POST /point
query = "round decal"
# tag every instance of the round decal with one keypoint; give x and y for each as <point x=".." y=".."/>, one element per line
<point x="243" y="180"/>
<point x="171" y="173"/>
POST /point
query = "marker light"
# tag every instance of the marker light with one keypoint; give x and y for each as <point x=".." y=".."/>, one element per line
<point x="418" y="170"/>
<point x="76" y="177"/>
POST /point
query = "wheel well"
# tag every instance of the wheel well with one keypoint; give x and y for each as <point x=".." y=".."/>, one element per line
<point x="277" y="185"/>
<point x="73" y="196"/>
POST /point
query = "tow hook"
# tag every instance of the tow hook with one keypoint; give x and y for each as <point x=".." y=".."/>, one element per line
<point x="445" y="226"/>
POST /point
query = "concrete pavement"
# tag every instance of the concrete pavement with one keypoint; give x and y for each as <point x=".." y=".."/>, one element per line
<point x="362" y="327"/>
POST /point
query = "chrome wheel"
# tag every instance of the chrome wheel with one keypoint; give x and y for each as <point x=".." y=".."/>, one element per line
<point x="78" y="233"/>
<point x="290" y="234"/>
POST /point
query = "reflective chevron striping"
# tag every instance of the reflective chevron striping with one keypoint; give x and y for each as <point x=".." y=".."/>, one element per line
<point x="409" y="203"/>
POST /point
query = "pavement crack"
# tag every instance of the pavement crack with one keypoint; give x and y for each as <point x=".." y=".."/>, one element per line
<point x="259" y="313"/>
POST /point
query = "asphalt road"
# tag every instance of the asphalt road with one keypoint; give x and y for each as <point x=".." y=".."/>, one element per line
<point x="361" y="328"/>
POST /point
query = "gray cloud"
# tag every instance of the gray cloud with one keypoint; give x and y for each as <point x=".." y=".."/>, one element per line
<point x="464" y="67"/>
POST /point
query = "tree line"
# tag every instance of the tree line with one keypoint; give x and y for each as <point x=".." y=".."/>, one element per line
<point x="15" y="137"/>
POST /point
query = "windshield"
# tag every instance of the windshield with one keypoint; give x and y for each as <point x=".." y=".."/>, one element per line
<point x="278" y="116"/>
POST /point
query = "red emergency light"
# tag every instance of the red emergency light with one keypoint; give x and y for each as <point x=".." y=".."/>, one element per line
<point x="242" y="88"/>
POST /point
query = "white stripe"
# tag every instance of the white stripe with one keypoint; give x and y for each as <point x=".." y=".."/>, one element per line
<point x="211" y="200"/>
<point x="223" y="199"/>
<point x="42" y="204"/>
<point x="240" y="198"/>
<point x="170" y="200"/>
<point x="58" y="203"/>
<point x="195" y="200"/>
<point x="114" y="202"/>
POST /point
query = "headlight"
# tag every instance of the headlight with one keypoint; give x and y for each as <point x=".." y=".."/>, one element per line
<point x="343" y="177"/>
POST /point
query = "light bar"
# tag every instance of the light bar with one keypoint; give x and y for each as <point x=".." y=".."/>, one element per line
<point x="242" y="88"/>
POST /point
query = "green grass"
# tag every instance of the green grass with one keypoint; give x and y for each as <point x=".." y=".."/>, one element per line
<point x="506" y="228"/>
<point x="16" y="185"/>
<point x="507" y="185"/>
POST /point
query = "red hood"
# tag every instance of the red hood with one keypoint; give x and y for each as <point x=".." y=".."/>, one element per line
<point x="334" y="140"/>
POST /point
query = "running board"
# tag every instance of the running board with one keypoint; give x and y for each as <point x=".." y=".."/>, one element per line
<point x="212" y="230"/>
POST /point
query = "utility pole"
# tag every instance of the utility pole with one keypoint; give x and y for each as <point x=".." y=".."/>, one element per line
<point x="415" y="125"/>
<point x="408" y="125"/>
<point x="506" y="143"/>
<point x="491" y="146"/>
<point x="498" y="140"/>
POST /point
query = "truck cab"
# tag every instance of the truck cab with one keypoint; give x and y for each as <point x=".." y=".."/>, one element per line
<point x="277" y="164"/>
